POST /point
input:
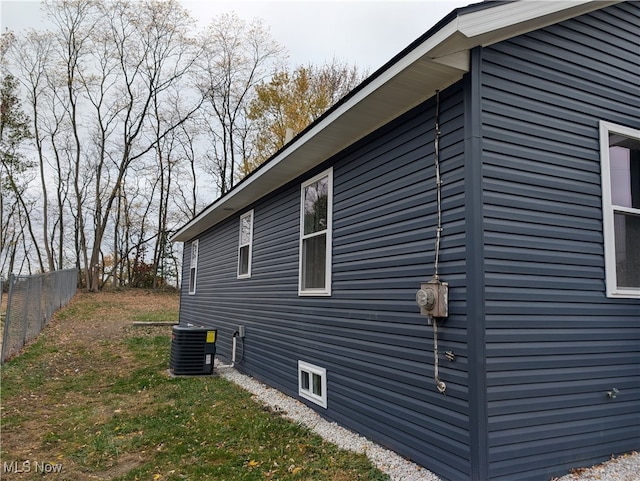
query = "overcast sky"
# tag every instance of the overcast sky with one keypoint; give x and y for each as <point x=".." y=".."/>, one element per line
<point x="362" y="32"/>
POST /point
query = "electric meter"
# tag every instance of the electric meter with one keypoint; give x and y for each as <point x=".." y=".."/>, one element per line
<point x="433" y="298"/>
<point x="426" y="299"/>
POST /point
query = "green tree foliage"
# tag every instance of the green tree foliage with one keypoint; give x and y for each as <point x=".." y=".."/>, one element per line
<point x="290" y="101"/>
<point x="14" y="124"/>
<point x="14" y="133"/>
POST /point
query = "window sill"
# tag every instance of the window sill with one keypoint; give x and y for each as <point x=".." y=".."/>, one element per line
<point x="318" y="293"/>
<point x="624" y="294"/>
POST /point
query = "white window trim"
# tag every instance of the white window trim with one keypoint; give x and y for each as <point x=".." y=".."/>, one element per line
<point x="308" y="393"/>
<point x="250" y="244"/>
<point x="608" y="209"/>
<point x="326" y="291"/>
<point x="193" y="269"/>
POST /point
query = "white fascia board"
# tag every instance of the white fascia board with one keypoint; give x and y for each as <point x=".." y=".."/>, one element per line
<point x="225" y="203"/>
<point x="522" y="16"/>
<point x="449" y="46"/>
<point x="386" y="76"/>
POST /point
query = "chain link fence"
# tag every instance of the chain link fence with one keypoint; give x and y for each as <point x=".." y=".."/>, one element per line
<point x="31" y="302"/>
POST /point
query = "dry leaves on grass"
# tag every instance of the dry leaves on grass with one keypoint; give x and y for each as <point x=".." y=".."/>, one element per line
<point x="81" y="344"/>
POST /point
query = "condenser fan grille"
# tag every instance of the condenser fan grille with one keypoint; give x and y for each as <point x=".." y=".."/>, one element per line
<point x="192" y="350"/>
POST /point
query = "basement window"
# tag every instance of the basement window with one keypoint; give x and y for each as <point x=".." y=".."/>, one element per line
<point x="245" y="245"/>
<point x="193" y="266"/>
<point x="312" y="383"/>
<point x="620" y="168"/>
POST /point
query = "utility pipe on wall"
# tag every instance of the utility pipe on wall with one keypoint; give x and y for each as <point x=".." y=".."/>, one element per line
<point x="233" y="351"/>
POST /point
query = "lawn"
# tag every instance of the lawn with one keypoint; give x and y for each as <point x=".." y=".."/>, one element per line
<point x="92" y="399"/>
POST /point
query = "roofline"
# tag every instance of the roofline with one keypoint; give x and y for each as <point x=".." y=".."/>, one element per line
<point x="444" y="50"/>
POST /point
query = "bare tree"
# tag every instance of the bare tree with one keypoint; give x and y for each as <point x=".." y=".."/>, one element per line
<point x="74" y="21"/>
<point x="129" y="106"/>
<point x="185" y="194"/>
<point x="32" y="56"/>
<point x="119" y="59"/>
<point x="55" y="130"/>
<point x="238" y="56"/>
<point x="154" y="55"/>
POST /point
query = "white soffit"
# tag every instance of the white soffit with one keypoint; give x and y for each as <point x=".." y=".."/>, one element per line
<point x="437" y="62"/>
<point x="491" y="25"/>
<point x="524" y="15"/>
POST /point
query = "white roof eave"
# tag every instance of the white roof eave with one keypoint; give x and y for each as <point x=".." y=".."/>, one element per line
<point x="437" y="62"/>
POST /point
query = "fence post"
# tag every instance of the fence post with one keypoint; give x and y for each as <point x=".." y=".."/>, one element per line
<point x="25" y="310"/>
<point x="7" y="320"/>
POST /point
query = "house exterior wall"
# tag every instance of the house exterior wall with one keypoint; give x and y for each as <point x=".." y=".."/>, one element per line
<point x="376" y="348"/>
<point x="555" y="344"/>
<point x="537" y="343"/>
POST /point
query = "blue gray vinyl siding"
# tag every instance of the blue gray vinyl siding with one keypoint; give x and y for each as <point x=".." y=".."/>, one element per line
<point x="377" y="349"/>
<point x="555" y="344"/>
<point x="537" y="342"/>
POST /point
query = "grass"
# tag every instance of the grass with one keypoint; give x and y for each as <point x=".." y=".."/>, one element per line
<point x="106" y="408"/>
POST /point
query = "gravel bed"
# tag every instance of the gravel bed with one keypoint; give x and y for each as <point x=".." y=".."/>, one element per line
<point x="398" y="468"/>
<point x="623" y="468"/>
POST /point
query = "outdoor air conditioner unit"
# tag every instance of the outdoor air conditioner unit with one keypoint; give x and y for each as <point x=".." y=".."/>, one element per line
<point x="192" y="350"/>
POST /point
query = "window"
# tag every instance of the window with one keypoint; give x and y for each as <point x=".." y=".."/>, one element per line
<point x="315" y="235"/>
<point x="312" y="383"/>
<point x="245" y="245"/>
<point x="620" y="163"/>
<point x="193" y="266"/>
